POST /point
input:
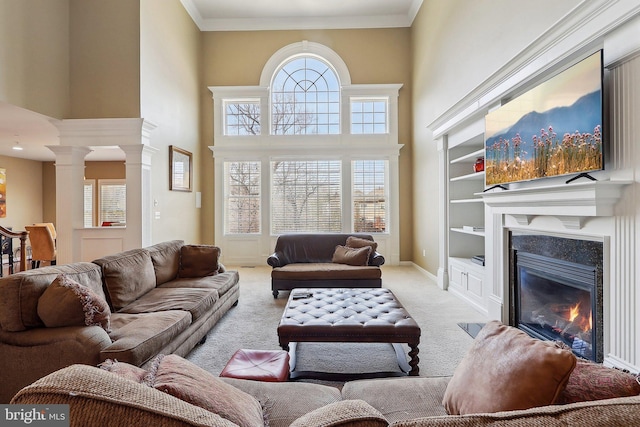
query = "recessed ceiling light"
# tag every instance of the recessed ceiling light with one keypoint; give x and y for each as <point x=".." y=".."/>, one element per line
<point x="17" y="147"/>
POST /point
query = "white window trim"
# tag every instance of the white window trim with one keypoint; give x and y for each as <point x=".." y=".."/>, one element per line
<point x="253" y="249"/>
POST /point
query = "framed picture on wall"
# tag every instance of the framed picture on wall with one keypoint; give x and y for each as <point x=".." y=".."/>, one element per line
<point x="180" y="169"/>
<point x="3" y="193"/>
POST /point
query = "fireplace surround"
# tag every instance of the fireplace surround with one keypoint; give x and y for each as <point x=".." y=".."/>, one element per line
<point x="555" y="290"/>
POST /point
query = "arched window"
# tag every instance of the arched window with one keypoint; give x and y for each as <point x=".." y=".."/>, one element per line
<point x="305" y="98"/>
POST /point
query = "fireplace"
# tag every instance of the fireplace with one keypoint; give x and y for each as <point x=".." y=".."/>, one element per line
<point x="556" y="291"/>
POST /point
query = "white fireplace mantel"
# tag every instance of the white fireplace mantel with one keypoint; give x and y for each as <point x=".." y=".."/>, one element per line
<point x="571" y="203"/>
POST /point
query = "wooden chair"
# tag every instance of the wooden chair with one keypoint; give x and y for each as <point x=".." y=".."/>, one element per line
<point x="50" y="226"/>
<point x="43" y="245"/>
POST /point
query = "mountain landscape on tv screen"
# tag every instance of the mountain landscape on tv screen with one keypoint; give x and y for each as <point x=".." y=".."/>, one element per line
<point x="583" y="116"/>
<point x="558" y="141"/>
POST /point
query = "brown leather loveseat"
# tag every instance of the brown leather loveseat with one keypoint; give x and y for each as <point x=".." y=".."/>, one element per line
<point x="325" y="260"/>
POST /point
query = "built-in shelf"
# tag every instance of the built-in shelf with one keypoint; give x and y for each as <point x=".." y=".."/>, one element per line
<point x="462" y="230"/>
<point x="571" y="203"/>
<point x="476" y="200"/>
<point x="468" y="177"/>
<point x="470" y="156"/>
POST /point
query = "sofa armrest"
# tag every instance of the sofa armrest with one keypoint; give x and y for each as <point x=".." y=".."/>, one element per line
<point x="346" y="413"/>
<point x="276" y="259"/>
<point x="376" y="259"/>
<point x="95" y="395"/>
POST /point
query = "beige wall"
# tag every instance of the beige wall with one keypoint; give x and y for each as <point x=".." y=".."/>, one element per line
<point x="34" y="55"/>
<point x="372" y="56"/>
<point x="457" y="44"/>
<point x="104" y="58"/>
<point x="170" y="96"/>
<point x="24" y="192"/>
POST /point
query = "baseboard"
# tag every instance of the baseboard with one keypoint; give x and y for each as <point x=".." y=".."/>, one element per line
<point x="430" y="275"/>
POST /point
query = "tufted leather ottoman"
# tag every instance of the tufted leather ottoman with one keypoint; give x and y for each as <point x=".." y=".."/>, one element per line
<point x="349" y="315"/>
<point x="258" y="365"/>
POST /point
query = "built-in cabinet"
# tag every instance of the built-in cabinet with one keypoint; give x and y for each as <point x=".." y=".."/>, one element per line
<point x="463" y="213"/>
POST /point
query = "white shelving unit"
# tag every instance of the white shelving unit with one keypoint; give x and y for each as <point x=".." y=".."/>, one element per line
<point x="465" y="208"/>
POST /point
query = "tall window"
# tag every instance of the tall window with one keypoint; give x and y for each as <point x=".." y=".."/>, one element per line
<point x="304" y="151"/>
<point x="369" y="196"/>
<point x="306" y="196"/>
<point x="305" y="98"/>
<point x="242" y="197"/>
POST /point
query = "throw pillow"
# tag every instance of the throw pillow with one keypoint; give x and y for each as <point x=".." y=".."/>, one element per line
<point x="351" y="256"/>
<point x="180" y="378"/>
<point x="358" y="242"/>
<point x="65" y="302"/>
<point x="504" y="370"/>
<point x="593" y="381"/>
<point x="199" y="261"/>
<point x="124" y="370"/>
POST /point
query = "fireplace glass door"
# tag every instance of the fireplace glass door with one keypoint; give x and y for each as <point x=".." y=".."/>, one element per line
<point x="555" y="300"/>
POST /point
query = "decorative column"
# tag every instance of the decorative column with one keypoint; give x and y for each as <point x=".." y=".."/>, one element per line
<point x="139" y="195"/>
<point x="69" y="199"/>
<point x="443" y="212"/>
<point x="78" y="137"/>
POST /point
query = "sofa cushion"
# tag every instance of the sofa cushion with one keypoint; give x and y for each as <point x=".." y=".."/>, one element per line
<point x="351" y="256"/>
<point x="198" y="260"/>
<point x="593" y="381"/>
<point x="505" y="369"/>
<point x="165" y="257"/>
<point x="67" y="303"/>
<point x="127" y="276"/>
<point x="20" y="292"/>
<point x="400" y="399"/>
<point x="359" y="242"/>
<point x="351" y="413"/>
<point x="198" y="302"/>
<point x="221" y="282"/>
<point x="124" y="370"/>
<point x="180" y="378"/>
<point x="283" y="403"/>
<point x="137" y="338"/>
<point x="321" y="271"/>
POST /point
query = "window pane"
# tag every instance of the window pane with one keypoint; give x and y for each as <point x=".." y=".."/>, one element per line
<point x="88" y="204"/>
<point x="113" y="200"/>
<point x="242" y="118"/>
<point x="306" y="196"/>
<point x="303" y="88"/>
<point x="369" y="196"/>
<point x="368" y="116"/>
<point x="242" y="197"/>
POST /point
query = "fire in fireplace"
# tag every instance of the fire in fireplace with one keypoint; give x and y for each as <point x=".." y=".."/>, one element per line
<point x="557" y="300"/>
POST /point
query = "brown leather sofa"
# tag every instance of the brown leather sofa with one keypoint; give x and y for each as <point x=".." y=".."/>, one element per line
<point x="162" y="299"/>
<point x="307" y="261"/>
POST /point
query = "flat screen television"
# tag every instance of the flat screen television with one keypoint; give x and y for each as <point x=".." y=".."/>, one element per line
<point x="553" y="129"/>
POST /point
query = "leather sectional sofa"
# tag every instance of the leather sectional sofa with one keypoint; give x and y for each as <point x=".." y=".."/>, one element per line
<point x="309" y="260"/>
<point x="161" y="299"/>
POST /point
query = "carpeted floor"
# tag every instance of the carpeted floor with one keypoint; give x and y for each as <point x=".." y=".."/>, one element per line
<point x="252" y="325"/>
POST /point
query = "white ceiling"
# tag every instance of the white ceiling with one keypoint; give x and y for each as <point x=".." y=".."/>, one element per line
<point x="34" y="132"/>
